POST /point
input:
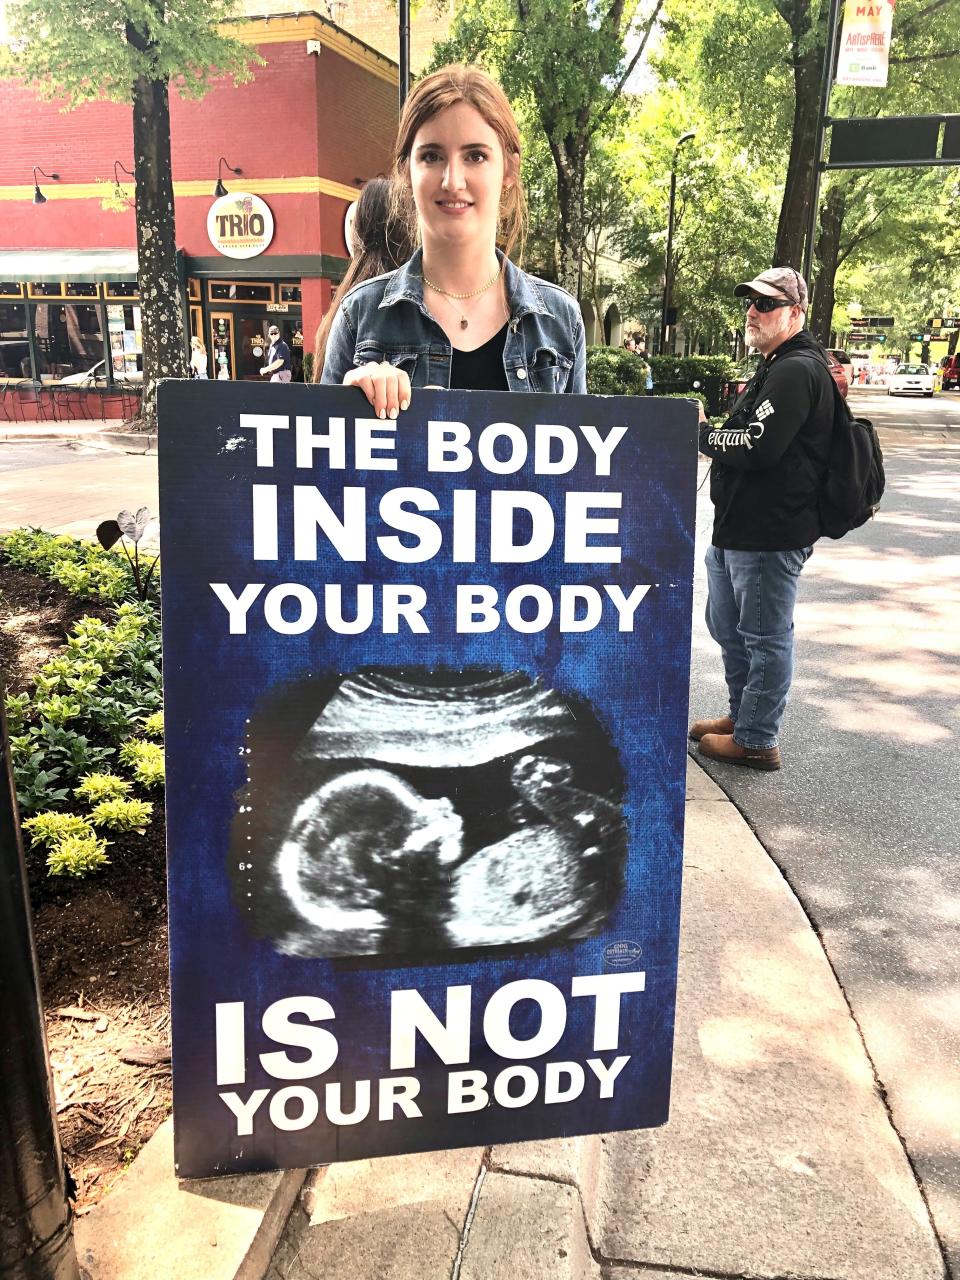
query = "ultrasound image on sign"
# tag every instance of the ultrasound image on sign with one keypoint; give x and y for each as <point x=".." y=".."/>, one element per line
<point x="410" y="813"/>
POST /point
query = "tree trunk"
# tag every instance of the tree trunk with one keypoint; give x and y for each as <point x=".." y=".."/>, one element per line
<point x="161" y="306"/>
<point x="570" y="158"/>
<point x="798" y="188"/>
<point x="832" y="213"/>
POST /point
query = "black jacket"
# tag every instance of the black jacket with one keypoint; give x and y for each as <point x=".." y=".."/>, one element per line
<point x="771" y="455"/>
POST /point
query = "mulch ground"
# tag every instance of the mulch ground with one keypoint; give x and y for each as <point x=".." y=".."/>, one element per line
<point x="101" y="944"/>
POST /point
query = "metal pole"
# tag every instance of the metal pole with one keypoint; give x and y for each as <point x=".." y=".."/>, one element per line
<point x="667" y="282"/>
<point x="668" y="271"/>
<point x="829" y="55"/>
<point x="404" y="51"/>
<point x="36" y="1223"/>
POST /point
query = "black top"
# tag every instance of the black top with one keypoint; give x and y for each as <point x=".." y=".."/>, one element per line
<point x="481" y="370"/>
<point x="771" y="455"/>
<point x="280" y="351"/>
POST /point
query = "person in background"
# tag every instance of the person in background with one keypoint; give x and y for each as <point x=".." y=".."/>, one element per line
<point x="279" y="362"/>
<point x="630" y="344"/>
<point x="768" y="463"/>
<point x="381" y="242"/>
<point x="459" y="313"/>
<point x="198" y="359"/>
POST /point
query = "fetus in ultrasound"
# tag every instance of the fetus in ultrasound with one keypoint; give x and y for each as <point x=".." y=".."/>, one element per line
<point x="429" y="812"/>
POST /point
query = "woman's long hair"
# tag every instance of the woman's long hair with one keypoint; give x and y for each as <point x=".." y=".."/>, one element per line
<point x="381" y="243"/>
<point x="445" y="88"/>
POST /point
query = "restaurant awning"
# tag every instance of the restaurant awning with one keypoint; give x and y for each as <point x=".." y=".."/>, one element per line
<point x="45" y="265"/>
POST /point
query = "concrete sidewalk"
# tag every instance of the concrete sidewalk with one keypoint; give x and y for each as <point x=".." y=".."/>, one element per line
<point x="779" y="1159"/>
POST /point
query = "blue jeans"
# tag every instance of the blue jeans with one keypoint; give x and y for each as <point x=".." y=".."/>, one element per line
<point x="750" y="600"/>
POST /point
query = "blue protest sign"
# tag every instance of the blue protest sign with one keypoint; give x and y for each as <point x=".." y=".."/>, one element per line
<point x="425" y="704"/>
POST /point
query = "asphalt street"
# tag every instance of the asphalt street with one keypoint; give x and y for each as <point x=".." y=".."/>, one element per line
<point x="864" y="819"/>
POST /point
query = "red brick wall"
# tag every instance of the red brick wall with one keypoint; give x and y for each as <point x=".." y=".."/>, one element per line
<point x="301" y="115"/>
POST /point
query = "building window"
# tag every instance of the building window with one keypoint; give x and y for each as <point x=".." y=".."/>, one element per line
<point x="45" y="289"/>
<point x="11" y="289"/>
<point x="193" y="290"/>
<point x="14" y="344"/>
<point x="126" y="342"/>
<point x="69" y="338"/>
<point x="121" y="289"/>
<point x="82" y="289"/>
<point x="290" y="293"/>
<point x="240" y="291"/>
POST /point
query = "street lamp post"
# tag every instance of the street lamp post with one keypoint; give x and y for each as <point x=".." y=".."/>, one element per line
<point x="668" y="268"/>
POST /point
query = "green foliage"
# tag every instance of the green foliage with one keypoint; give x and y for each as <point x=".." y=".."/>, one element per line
<point x="123" y="815"/>
<point x="94" y="787"/>
<point x="689" y="369"/>
<point x="85" y="701"/>
<point x="84" y="568"/>
<point x="93" y="49"/>
<point x="153" y="725"/>
<point x="614" y="371"/>
<point x="308" y="366"/>
<point x="77" y="855"/>
<point x="49" y="828"/>
<point x="145" y="759"/>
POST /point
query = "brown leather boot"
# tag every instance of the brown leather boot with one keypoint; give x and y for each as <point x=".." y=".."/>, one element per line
<point x="723" y="725"/>
<point x="721" y="746"/>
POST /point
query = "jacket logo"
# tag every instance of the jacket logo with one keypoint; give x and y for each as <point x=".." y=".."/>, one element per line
<point x="730" y="438"/>
<point x="764" y="411"/>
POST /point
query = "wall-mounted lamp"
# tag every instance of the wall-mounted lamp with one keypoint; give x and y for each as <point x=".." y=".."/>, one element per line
<point x="220" y="189"/>
<point x="123" y="169"/>
<point x="38" y="196"/>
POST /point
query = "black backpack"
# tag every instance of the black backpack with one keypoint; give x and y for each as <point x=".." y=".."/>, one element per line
<point x="854" y="480"/>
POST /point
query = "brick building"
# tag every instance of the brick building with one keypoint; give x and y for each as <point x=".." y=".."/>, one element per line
<point x="313" y="124"/>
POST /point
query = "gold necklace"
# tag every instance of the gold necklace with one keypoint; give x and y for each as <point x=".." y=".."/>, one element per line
<point x="446" y="293"/>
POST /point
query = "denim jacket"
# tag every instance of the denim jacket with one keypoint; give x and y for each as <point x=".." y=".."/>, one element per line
<point x="386" y="319"/>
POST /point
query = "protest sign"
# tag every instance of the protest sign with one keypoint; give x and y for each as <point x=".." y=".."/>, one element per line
<point x="425" y="700"/>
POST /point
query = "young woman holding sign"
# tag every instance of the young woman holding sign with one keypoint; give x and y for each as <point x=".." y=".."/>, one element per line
<point x="459" y="313"/>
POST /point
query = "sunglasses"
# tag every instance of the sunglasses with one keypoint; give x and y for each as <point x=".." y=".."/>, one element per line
<point x="765" y="305"/>
<point x="274" y="333"/>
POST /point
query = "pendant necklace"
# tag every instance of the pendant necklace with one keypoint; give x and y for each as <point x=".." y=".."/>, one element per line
<point x="460" y="296"/>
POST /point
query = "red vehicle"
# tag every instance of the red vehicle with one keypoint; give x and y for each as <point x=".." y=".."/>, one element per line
<point x="950" y="373"/>
<point x="838" y="370"/>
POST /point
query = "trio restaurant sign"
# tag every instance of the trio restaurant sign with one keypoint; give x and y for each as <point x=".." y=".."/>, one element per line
<point x="240" y="225"/>
<point x="425" y="698"/>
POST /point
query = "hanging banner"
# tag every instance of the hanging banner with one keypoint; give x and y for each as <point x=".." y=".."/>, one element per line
<point x="426" y="710"/>
<point x="865" y="43"/>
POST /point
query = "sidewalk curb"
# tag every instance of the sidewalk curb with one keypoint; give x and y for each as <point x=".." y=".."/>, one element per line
<point x="62" y="433"/>
<point x="154" y="1224"/>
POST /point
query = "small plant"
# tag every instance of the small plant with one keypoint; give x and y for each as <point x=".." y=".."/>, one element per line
<point x="101" y="786"/>
<point x="145" y="759"/>
<point x="153" y="725"/>
<point x="123" y="815"/>
<point x="132" y="526"/>
<point x="50" y="828"/>
<point x="58" y="709"/>
<point x="17" y="707"/>
<point x="77" y="856"/>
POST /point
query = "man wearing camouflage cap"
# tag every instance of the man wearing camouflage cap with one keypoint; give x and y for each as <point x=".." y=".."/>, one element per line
<point x="768" y="463"/>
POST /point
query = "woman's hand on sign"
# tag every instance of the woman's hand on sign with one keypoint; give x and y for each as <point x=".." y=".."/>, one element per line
<point x="385" y="386"/>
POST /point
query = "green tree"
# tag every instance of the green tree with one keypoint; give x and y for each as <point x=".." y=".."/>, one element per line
<point x="759" y="63"/>
<point x="569" y="61"/>
<point x="131" y="51"/>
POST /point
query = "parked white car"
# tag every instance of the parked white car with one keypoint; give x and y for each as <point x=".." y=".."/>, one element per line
<point x="911" y="380"/>
<point x="97" y="377"/>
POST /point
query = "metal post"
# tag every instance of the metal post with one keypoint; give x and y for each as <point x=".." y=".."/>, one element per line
<point x="404" y="51"/>
<point x="829" y="57"/>
<point x="36" y="1223"/>
<point x="668" y="270"/>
